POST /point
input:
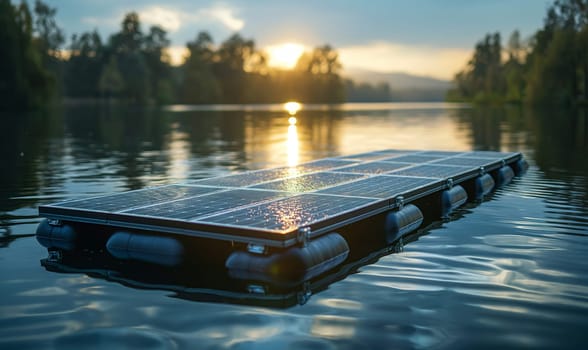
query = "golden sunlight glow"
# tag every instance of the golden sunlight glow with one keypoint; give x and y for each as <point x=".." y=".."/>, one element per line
<point x="292" y="107"/>
<point x="292" y="145"/>
<point x="284" y="56"/>
<point x="292" y="120"/>
<point x="177" y="55"/>
<point x="385" y="57"/>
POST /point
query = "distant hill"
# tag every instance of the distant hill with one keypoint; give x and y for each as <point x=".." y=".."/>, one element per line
<point x="403" y="86"/>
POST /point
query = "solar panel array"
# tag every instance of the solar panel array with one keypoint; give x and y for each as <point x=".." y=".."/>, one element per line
<point x="274" y="204"/>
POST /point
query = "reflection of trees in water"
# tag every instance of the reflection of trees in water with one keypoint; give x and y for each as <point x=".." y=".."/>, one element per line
<point x="28" y="141"/>
<point x="102" y="148"/>
<point x="122" y="141"/>
<point x="483" y="125"/>
<point x="558" y="139"/>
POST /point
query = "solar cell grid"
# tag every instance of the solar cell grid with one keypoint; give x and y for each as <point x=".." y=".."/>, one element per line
<point x="432" y="170"/>
<point x="488" y="154"/>
<point x="251" y="178"/>
<point x="287" y="214"/>
<point x="375" y="155"/>
<point x="414" y="159"/>
<point x="463" y="161"/>
<point x="372" y="167"/>
<point x="323" y="164"/>
<point x="381" y="186"/>
<point x="310" y="182"/>
<point x="192" y="208"/>
<point x="440" y="153"/>
<point x="247" y="178"/>
<point x="126" y="200"/>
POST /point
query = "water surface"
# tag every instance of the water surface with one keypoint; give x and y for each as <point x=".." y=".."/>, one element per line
<point x="510" y="272"/>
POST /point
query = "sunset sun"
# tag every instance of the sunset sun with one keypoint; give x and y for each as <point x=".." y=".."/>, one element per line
<point x="285" y="55"/>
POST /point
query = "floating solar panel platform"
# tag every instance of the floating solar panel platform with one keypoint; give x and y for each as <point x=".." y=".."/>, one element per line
<point x="273" y="206"/>
<point x="288" y="206"/>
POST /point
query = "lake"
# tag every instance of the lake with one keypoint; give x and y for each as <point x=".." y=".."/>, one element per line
<point x="509" y="272"/>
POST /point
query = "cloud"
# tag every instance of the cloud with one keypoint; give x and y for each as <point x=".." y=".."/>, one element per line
<point x="168" y="19"/>
<point x="387" y="57"/>
<point x="173" y="19"/>
<point x="223" y="14"/>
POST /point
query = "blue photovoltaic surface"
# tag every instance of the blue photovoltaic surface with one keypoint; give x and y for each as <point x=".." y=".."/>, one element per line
<point x="193" y="208"/>
<point x="126" y="200"/>
<point x="373" y="167"/>
<point x="382" y="186"/>
<point x="310" y="182"/>
<point x="375" y="155"/>
<point x="465" y="161"/>
<point x="415" y="159"/>
<point x="290" y="213"/>
<point x="257" y="177"/>
<point x="432" y="170"/>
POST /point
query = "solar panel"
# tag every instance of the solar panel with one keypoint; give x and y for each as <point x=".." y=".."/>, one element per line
<point x="373" y="168"/>
<point x="375" y="155"/>
<point x="248" y="178"/>
<point x="126" y="200"/>
<point x="270" y="205"/>
<point x="414" y="159"/>
<point x="323" y="164"/>
<point x="288" y="214"/>
<point x="489" y="154"/>
<point x="310" y="182"/>
<point x="432" y="170"/>
<point x="440" y="153"/>
<point x="260" y="176"/>
<point x="463" y="161"/>
<point x="192" y="208"/>
<point x="381" y="186"/>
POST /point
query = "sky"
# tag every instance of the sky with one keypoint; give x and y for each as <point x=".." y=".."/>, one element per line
<point x="432" y="38"/>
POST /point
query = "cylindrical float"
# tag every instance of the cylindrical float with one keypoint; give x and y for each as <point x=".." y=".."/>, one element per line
<point x="504" y="176"/>
<point x="166" y="251"/>
<point x="57" y="236"/>
<point x="452" y="199"/>
<point x="521" y="167"/>
<point x="403" y="221"/>
<point x="294" y="264"/>
<point x="484" y="185"/>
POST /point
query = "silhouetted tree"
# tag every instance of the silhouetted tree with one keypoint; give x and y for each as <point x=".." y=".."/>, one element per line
<point x="111" y="82"/>
<point x="320" y="75"/>
<point x="553" y="70"/>
<point x="85" y="65"/>
<point x="557" y="63"/>
<point x="229" y="67"/>
<point x="128" y="48"/>
<point x="199" y="84"/>
<point x="24" y="83"/>
<point x="364" y="92"/>
<point x="157" y="59"/>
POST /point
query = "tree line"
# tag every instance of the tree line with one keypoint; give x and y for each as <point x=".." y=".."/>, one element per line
<point x="551" y="67"/>
<point x="133" y="66"/>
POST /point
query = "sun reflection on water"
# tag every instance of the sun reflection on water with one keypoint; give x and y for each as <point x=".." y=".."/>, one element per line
<point x="293" y="147"/>
<point x="292" y="107"/>
<point x="292" y="142"/>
